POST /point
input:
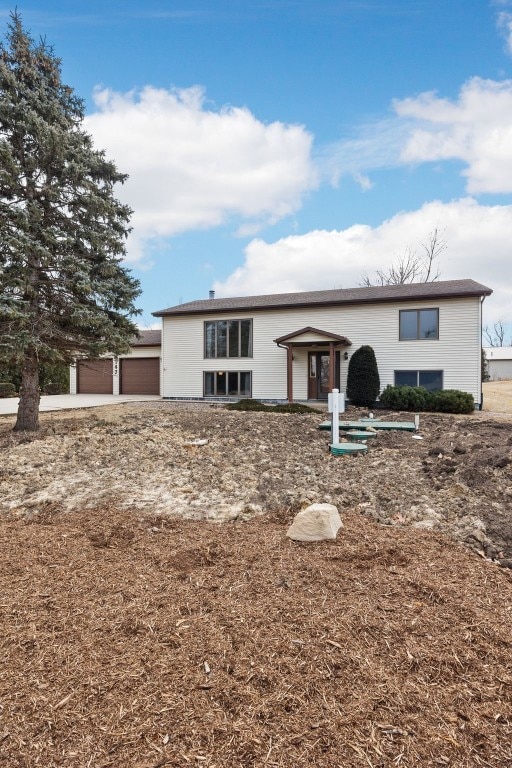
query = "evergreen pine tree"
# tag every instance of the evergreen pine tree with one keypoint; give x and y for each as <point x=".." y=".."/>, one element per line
<point x="363" y="381"/>
<point x="62" y="231"/>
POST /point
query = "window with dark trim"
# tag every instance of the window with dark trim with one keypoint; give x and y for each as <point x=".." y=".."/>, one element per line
<point x="431" y="380"/>
<point x="227" y="383"/>
<point x="227" y="338"/>
<point x="419" y="324"/>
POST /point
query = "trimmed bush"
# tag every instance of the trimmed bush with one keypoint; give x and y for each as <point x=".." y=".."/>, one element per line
<point x="406" y="398"/>
<point x="363" y="382"/>
<point x="7" y="389"/>
<point x="420" y="399"/>
<point x="453" y="401"/>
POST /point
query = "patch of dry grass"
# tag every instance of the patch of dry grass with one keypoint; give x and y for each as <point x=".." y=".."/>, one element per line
<point x="498" y="396"/>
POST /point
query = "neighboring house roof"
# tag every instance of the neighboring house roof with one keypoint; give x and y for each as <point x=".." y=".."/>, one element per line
<point x="498" y="353"/>
<point x="409" y="292"/>
<point x="147" y="339"/>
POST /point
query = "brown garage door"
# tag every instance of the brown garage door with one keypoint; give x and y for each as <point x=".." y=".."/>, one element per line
<point x="94" y="377"/>
<point x="140" y="376"/>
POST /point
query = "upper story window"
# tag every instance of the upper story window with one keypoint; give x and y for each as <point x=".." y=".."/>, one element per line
<point x="419" y="324"/>
<point x="228" y="338"/>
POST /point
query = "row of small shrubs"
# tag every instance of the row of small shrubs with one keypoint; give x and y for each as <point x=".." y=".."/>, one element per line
<point x="420" y="399"/>
<point x="7" y="389"/>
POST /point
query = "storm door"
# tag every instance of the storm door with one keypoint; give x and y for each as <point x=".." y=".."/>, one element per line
<point x="318" y="374"/>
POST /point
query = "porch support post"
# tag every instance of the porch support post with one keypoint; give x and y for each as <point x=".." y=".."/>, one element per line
<point x="289" y="373"/>
<point x="332" y="363"/>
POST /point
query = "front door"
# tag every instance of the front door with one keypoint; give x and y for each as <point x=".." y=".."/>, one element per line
<point x="318" y="374"/>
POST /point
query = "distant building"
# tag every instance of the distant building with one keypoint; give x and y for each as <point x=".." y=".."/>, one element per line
<point x="499" y="362"/>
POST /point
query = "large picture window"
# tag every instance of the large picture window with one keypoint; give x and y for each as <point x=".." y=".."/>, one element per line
<point x="431" y="380"/>
<point x="419" y="324"/>
<point x="228" y="338"/>
<point x="227" y="383"/>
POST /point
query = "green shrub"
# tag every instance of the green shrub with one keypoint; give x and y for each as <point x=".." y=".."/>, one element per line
<point x="485" y="367"/>
<point x="7" y="389"/>
<point x="55" y="388"/>
<point x="420" y="399"/>
<point x="453" y="401"/>
<point x="407" y="398"/>
<point x="363" y="382"/>
<point x="53" y="377"/>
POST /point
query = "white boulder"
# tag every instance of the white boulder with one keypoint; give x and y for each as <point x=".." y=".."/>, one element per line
<point x="315" y="523"/>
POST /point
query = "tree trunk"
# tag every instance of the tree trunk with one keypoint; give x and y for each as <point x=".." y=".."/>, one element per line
<point x="28" y="408"/>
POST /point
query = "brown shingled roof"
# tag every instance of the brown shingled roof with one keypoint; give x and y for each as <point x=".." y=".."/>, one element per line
<point x="151" y="338"/>
<point x="408" y="292"/>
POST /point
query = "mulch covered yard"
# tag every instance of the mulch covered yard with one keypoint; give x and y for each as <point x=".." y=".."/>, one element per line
<point x="141" y="642"/>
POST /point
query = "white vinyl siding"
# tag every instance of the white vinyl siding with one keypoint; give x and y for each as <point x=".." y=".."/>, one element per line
<point x="142" y="352"/>
<point x="310" y="337"/>
<point x="456" y="352"/>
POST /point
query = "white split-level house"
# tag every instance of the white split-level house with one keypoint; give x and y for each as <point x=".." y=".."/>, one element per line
<point x="136" y="373"/>
<point x="297" y="346"/>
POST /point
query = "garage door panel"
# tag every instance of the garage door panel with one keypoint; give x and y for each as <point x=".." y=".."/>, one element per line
<point x="140" y="376"/>
<point x="94" y="377"/>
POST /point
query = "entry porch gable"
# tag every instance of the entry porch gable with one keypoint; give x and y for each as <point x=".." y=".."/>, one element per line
<point x="316" y="340"/>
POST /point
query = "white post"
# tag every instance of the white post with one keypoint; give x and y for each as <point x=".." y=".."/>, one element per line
<point x="416" y="421"/>
<point x="115" y="375"/>
<point x="335" y="423"/>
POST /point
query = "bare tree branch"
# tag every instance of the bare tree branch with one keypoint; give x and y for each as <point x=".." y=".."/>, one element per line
<point x="432" y="250"/>
<point x="495" y="336"/>
<point x="410" y="266"/>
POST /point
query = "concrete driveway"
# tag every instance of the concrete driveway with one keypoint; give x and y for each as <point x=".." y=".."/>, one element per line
<point x="9" y="405"/>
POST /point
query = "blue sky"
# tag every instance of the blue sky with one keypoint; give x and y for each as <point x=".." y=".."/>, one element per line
<point x="293" y="145"/>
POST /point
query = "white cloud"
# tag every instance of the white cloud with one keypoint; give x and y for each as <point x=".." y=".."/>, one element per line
<point x="477" y="129"/>
<point x="147" y="325"/>
<point x="194" y="167"/>
<point x="505" y="26"/>
<point x="478" y="247"/>
<point x="364" y="182"/>
<point x="375" y="145"/>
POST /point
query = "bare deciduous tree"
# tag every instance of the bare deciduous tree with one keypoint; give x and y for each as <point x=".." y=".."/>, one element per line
<point x="495" y="336"/>
<point x="411" y="266"/>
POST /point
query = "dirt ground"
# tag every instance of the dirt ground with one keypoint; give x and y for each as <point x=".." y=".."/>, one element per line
<point x="140" y="632"/>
